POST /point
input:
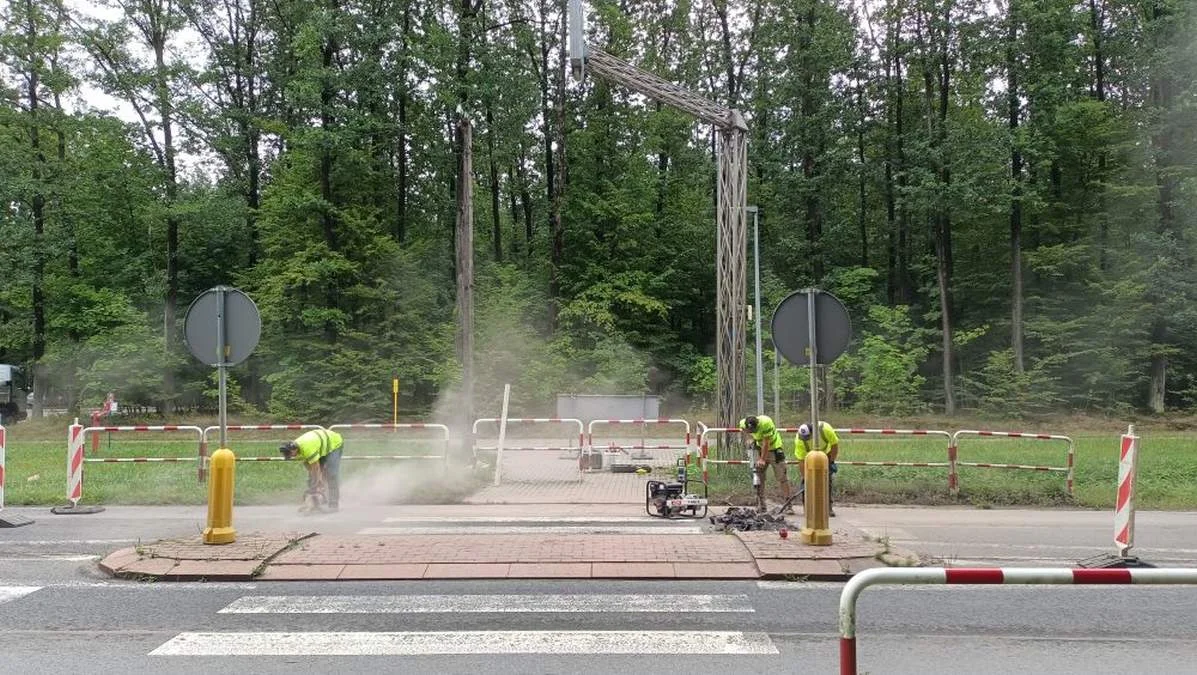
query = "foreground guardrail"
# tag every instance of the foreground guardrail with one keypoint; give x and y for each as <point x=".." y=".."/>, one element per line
<point x="986" y="576"/>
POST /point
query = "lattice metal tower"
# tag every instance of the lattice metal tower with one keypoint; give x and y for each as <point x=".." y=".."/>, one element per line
<point x="731" y="290"/>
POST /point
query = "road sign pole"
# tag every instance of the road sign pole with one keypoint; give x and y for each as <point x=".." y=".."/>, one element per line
<point x="812" y="351"/>
<point x="222" y="356"/>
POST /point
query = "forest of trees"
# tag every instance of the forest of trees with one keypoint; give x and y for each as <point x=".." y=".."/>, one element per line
<point x="1003" y="193"/>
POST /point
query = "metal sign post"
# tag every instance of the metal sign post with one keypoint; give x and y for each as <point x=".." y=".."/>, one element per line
<point x="238" y="327"/>
<point x="222" y="352"/>
<point x="812" y="351"/>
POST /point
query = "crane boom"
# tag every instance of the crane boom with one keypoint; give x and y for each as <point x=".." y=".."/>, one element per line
<point x="621" y="72"/>
<point x="730" y="197"/>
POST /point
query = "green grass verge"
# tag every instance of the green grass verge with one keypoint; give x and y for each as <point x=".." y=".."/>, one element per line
<point x="36" y="470"/>
<point x="1167" y="474"/>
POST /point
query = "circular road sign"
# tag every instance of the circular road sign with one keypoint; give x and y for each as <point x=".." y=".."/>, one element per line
<point x="791" y="327"/>
<point x="241" y="323"/>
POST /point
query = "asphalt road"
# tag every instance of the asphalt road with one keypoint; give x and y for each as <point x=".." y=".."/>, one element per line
<point x="58" y="613"/>
<point x="413" y="627"/>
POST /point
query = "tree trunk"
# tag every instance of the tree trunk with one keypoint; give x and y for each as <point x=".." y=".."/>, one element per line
<point x="557" y="231"/>
<point x="862" y="218"/>
<point x="38" y="205"/>
<point x="465" y="265"/>
<point x="1013" y="114"/>
<point x="495" y="214"/>
<point x="1162" y="93"/>
<point x="1097" y="26"/>
<point x="525" y="200"/>
<point x="166" y="111"/>
<point x="514" y="208"/>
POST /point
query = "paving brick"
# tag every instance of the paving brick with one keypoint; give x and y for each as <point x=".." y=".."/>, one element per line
<point x="246" y="547"/>
<point x="301" y="573"/>
<point x="467" y="571"/>
<point x="384" y="572"/>
<point x="113" y="562"/>
<point x="212" y="570"/>
<point x="579" y="570"/>
<point x="707" y="570"/>
<point x="770" y="567"/>
<point x="857" y="565"/>
<point x="148" y="567"/>
<point x="633" y="570"/>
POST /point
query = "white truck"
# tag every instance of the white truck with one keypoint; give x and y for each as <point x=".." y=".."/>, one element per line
<point x="13" y="394"/>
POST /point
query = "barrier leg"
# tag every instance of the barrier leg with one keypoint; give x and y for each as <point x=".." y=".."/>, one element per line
<point x="953" y="477"/>
<point x="12" y="519"/>
<point x="202" y="474"/>
<point x="75" y="475"/>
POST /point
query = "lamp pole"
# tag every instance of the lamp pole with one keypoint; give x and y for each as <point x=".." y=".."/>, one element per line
<point x="756" y="260"/>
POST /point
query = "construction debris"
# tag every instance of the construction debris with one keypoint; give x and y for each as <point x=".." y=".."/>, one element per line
<point x="745" y="519"/>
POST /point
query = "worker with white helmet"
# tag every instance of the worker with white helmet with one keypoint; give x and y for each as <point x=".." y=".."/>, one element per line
<point x="827" y="441"/>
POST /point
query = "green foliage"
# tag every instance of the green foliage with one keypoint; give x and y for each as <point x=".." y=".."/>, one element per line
<point x="887" y="363"/>
<point x="316" y="168"/>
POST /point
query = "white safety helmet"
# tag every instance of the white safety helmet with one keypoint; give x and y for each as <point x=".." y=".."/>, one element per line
<point x="804" y="432"/>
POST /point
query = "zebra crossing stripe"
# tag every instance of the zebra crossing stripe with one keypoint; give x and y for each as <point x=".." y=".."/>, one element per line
<point x="421" y="604"/>
<point x="10" y="593"/>
<point x="465" y="642"/>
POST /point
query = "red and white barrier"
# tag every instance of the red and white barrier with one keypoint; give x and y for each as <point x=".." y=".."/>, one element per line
<point x="642" y="422"/>
<point x="531" y="420"/>
<point x="1066" y="469"/>
<point x="203" y="450"/>
<point x="704" y="451"/>
<point x="619" y="449"/>
<point x="444" y="432"/>
<point x="76" y="435"/>
<point x="1124" y="508"/>
<point x="995" y="575"/>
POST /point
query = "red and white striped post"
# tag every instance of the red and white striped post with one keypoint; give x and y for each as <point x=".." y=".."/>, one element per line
<point x="987" y="576"/>
<point x="1124" y="509"/>
<point x="74" y="464"/>
<point x="76" y="435"/>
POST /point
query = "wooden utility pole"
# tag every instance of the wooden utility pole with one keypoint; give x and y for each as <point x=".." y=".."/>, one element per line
<point x="465" y="268"/>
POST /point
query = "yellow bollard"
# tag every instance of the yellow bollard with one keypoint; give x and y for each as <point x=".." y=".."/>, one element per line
<point x="816" y="531"/>
<point x="220" y="498"/>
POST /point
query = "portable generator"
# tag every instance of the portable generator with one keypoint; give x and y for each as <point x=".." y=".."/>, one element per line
<point x="674" y="500"/>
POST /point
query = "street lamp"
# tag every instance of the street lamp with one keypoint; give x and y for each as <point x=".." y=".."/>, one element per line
<point x="756" y="258"/>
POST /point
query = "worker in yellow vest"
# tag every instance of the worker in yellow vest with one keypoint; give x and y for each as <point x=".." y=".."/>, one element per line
<point x="320" y="451"/>
<point x="768" y="450"/>
<point x="828" y="441"/>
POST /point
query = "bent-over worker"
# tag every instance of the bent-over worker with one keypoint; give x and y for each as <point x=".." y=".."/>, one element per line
<point x="320" y="451"/>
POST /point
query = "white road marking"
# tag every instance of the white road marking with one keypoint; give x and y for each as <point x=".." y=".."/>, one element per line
<point x="466" y="642"/>
<point x="1146" y="551"/>
<point x="139" y="586"/>
<point x="533" y="529"/>
<point x="59" y="542"/>
<point x="10" y="593"/>
<point x="402" y="604"/>
<point x="52" y="558"/>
